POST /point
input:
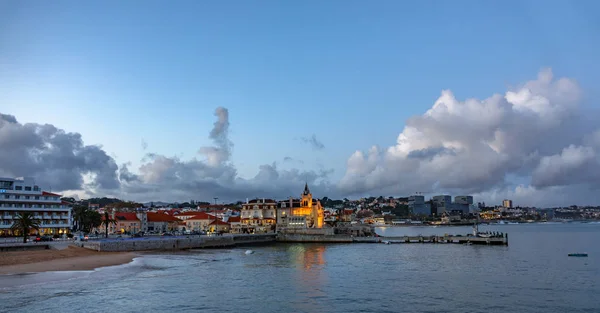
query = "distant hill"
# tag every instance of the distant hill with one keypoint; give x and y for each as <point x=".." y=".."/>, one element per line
<point x="156" y="203"/>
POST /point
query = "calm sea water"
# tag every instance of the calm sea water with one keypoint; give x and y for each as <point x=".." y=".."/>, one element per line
<point x="532" y="274"/>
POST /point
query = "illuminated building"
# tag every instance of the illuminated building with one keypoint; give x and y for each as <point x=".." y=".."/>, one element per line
<point x="305" y="212"/>
<point x="258" y="215"/>
<point x="18" y="195"/>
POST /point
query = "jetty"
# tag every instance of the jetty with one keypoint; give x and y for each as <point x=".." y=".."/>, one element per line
<point x="457" y="239"/>
<point x="362" y="234"/>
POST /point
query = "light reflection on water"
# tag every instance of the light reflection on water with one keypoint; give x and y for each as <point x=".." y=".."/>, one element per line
<point x="532" y="274"/>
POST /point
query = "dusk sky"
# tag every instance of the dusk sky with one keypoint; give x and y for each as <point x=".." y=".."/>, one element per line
<point x="188" y="100"/>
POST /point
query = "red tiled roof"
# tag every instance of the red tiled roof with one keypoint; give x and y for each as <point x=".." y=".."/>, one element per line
<point x="234" y="219"/>
<point x="161" y="217"/>
<point x="125" y="216"/>
<point x="44" y="193"/>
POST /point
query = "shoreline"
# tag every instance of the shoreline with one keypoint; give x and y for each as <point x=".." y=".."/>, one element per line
<point x="70" y="259"/>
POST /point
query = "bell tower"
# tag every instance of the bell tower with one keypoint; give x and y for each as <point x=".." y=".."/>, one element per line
<point x="307" y="200"/>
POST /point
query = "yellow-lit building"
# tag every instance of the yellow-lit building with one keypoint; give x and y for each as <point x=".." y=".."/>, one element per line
<point x="305" y="212"/>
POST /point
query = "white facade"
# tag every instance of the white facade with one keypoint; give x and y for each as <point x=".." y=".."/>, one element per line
<point x="19" y="195"/>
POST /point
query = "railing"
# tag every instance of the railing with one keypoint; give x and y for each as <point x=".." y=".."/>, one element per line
<point x="32" y="240"/>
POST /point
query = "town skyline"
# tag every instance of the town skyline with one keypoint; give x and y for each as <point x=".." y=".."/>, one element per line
<point x="175" y="104"/>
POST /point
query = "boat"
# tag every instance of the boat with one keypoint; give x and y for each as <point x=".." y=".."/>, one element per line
<point x="578" y="254"/>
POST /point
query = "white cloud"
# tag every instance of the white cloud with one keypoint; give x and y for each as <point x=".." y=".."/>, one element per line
<point x="470" y="146"/>
<point x="535" y="133"/>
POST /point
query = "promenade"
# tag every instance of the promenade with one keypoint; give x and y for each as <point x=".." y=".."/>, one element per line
<point x="167" y="243"/>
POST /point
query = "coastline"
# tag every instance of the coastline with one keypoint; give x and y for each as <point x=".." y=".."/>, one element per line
<point x="70" y="259"/>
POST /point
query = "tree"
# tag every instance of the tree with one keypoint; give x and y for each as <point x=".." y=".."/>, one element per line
<point x="91" y="220"/>
<point x="107" y="221"/>
<point x="25" y="223"/>
<point x="79" y="212"/>
<point x="85" y="219"/>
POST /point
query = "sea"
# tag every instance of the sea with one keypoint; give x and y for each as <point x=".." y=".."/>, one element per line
<point x="532" y="274"/>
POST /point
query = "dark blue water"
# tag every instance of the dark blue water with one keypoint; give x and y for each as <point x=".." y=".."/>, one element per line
<point x="532" y="274"/>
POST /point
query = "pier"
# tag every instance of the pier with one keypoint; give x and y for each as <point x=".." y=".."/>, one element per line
<point x="332" y="235"/>
<point x="497" y="240"/>
<point x="457" y="239"/>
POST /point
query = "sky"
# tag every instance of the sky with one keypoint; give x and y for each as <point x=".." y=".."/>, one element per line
<point x="172" y="101"/>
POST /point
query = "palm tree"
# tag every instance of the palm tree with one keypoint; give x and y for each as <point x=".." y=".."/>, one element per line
<point x="24" y="224"/>
<point x="107" y="221"/>
<point x="79" y="213"/>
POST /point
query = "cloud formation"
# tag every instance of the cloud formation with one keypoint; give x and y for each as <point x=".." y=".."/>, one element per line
<point x="534" y="144"/>
<point x="313" y="142"/>
<point x="61" y="160"/>
<point x="56" y="158"/>
<point x="536" y="133"/>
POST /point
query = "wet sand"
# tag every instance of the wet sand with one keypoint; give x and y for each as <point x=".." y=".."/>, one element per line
<point x="70" y="259"/>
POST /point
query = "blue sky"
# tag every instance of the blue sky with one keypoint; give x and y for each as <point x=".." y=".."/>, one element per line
<point x="350" y="72"/>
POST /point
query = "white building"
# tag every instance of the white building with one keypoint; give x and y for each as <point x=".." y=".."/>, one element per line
<point x="18" y="195"/>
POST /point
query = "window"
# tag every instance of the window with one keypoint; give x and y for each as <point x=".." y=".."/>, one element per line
<point x="18" y="187"/>
<point x="37" y="197"/>
<point x="6" y="196"/>
<point x="17" y="197"/>
<point x="26" y="197"/>
<point x="28" y="188"/>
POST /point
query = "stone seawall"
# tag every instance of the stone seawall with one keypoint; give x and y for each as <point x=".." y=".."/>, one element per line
<point x="174" y="243"/>
<point x="287" y="237"/>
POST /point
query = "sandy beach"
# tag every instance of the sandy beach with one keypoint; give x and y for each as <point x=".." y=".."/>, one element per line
<point x="70" y="259"/>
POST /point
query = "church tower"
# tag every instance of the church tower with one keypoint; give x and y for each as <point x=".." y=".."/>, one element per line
<point x="307" y="200"/>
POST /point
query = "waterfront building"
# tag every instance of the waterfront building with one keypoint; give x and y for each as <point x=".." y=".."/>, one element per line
<point x="235" y="223"/>
<point x="305" y="212"/>
<point x="258" y="215"/>
<point x="462" y="203"/>
<point x="161" y="222"/>
<point x="18" y="195"/>
<point x="417" y="205"/>
<point x="219" y="226"/>
<point x="468" y="200"/>
<point x="507" y="203"/>
<point x="199" y="222"/>
<point x="126" y="222"/>
<point x="442" y="203"/>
